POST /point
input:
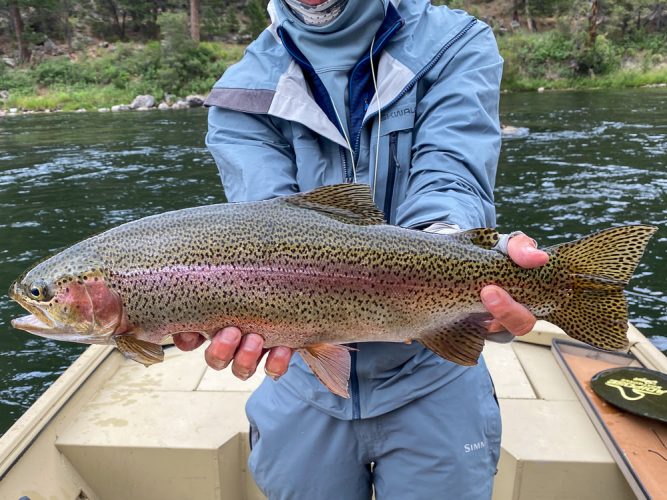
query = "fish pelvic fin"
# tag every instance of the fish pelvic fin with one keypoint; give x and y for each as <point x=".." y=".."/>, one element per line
<point x="348" y="203"/>
<point x="140" y="351"/>
<point x="600" y="266"/>
<point x="460" y="342"/>
<point x="331" y="365"/>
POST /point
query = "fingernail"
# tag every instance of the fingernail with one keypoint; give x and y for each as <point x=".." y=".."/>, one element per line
<point x="252" y="343"/>
<point x="229" y="337"/>
<point x="274" y="376"/>
<point x="218" y="364"/>
<point x="242" y="374"/>
<point x="491" y="297"/>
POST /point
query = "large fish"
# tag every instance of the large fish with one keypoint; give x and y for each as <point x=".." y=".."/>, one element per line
<point x="313" y="271"/>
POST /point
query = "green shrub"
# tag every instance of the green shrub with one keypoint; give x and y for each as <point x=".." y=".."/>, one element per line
<point x="257" y="17"/>
<point x="53" y="71"/>
<point x="174" y="33"/>
<point x="598" y="59"/>
<point x="556" y="56"/>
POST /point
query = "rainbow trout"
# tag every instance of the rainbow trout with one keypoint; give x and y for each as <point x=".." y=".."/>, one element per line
<point x="313" y="271"/>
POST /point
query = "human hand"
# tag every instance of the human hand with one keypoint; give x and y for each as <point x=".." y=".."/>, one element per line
<point x="510" y="315"/>
<point x="245" y="351"/>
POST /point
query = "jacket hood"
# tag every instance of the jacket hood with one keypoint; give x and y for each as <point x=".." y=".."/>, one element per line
<point x="350" y="34"/>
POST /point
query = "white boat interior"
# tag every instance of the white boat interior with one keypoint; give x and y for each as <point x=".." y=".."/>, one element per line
<point x="109" y="428"/>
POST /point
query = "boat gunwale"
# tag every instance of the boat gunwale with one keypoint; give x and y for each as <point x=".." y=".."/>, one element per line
<point x="26" y="430"/>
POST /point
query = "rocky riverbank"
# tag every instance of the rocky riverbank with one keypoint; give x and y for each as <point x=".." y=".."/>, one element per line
<point x="145" y="102"/>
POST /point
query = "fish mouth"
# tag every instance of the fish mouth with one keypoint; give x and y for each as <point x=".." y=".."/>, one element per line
<point x="37" y="323"/>
<point x="32" y="324"/>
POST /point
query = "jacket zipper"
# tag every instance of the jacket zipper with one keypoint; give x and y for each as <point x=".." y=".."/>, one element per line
<point x="354" y="384"/>
<point x="394" y="165"/>
<point x="419" y="75"/>
<point x="347" y="178"/>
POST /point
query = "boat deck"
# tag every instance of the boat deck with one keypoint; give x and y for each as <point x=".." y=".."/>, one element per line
<point x="110" y="428"/>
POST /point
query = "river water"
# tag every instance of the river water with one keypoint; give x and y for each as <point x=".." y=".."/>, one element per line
<point x="592" y="160"/>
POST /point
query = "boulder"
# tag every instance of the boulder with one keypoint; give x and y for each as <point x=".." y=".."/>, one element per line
<point x="4" y="95"/>
<point x="13" y="111"/>
<point x="194" y="101"/>
<point x="103" y="110"/>
<point x="51" y="48"/>
<point x="80" y="110"/>
<point x="9" y="62"/>
<point x="120" y="107"/>
<point x="180" y="104"/>
<point x="170" y="98"/>
<point x="143" y="101"/>
<point x="163" y="105"/>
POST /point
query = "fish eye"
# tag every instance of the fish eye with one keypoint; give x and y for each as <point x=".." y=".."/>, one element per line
<point x="39" y="291"/>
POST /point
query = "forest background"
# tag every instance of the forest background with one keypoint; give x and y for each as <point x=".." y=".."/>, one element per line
<point x="73" y="54"/>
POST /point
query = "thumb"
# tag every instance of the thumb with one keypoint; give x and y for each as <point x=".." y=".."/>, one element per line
<point x="523" y="251"/>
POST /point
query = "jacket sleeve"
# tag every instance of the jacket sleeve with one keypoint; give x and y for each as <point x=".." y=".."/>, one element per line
<point x="457" y="141"/>
<point x="255" y="160"/>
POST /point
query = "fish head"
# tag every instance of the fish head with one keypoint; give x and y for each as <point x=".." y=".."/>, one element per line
<point x="70" y="301"/>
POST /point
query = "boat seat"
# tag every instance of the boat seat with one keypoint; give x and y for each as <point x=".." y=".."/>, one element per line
<point x="201" y="451"/>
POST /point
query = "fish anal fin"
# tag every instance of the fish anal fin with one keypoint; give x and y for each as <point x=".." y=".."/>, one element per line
<point x="331" y="365"/>
<point x="460" y="342"/>
<point x="484" y="237"/>
<point x="140" y="351"/>
<point x="348" y="203"/>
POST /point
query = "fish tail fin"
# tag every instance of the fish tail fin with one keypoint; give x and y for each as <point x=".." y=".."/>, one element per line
<point x="600" y="266"/>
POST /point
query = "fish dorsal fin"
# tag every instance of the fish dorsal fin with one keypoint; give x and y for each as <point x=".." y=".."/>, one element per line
<point x="484" y="237"/>
<point x="140" y="351"/>
<point x="460" y="342"/>
<point x="348" y="203"/>
<point x="330" y="364"/>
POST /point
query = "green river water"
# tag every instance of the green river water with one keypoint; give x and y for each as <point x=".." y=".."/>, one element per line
<point x="592" y="160"/>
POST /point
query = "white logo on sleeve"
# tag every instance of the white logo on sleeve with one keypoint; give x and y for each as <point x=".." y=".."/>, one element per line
<point x="470" y="447"/>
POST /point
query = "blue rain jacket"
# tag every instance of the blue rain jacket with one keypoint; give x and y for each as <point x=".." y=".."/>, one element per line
<point x="270" y="132"/>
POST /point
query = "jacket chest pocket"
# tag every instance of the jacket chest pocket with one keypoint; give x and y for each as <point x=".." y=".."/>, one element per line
<point x="395" y="154"/>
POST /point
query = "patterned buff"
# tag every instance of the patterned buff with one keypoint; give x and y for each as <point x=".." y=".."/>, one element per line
<point x="316" y="15"/>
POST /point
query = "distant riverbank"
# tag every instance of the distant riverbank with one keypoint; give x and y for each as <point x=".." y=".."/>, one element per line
<point x="108" y="75"/>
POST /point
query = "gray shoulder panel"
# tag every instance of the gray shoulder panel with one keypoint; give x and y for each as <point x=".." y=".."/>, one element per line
<point x="244" y="100"/>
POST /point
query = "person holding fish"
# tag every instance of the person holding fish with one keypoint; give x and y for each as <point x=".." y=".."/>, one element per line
<point x="402" y="96"/>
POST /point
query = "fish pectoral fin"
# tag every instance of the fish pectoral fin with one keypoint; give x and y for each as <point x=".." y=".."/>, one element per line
<point x="330" y="364"/>
<point x="348" y="203"/>
<point x="140" y="351"/>
<point x="461" y="342"/>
